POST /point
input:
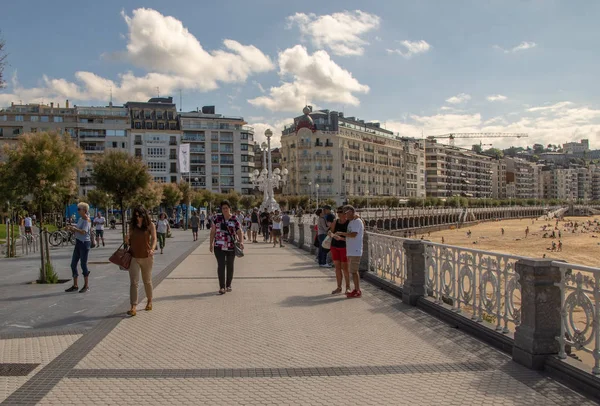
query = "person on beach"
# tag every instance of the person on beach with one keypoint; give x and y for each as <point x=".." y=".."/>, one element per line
<point x="202" y="220"/>
<point x="162" y="230"/>
<point x="141" y="240"/>
<point x="225" y="231"/>
<point x="194" y="224"/>
<point x="338" y="251"/>
<point x="99" y="222"/>
<point x="264" y="225"/>
<point x="82" y="247"/>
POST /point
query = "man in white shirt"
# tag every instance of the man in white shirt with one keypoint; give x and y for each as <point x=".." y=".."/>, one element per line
<point x="27" y="223"/>
<point x="354" y="247"/>
<point x="99" y="223"/>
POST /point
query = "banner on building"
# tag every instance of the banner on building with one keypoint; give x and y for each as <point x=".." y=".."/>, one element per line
<point x="184" y="158"/>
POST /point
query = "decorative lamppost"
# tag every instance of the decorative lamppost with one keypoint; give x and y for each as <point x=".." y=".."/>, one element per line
<point x="268" y="179"/>
<point x="317" y="189"/>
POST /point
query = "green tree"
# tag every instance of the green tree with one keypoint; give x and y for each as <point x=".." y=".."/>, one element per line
<point x="150" y="196"/>
<point x="41" y="165"/>
<point x="477" y="148"/>
<point x="122" y="176"/>
<point x="494" y="152"/>
<point x="247" y="201"/>
<point x="99" y="199"/>
<point x="234" y="198"/>
<point x="171" y="195"/>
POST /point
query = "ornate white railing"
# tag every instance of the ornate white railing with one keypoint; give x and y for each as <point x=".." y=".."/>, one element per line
<point x="580" y="310"/>
<point x="307" y="235"/>
<point x="387" y="257"/>
<point x="481" y="283"/>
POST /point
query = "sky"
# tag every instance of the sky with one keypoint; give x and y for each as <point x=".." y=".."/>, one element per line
<point x="418" y="67"/>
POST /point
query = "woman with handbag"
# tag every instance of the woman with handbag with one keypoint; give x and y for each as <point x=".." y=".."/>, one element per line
<point x="82" y="247"/>
<point x="225" y="234"/>
<point x="141" y="240"/>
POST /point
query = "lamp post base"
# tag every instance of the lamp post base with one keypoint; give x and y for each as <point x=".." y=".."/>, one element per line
<point x="270" y="204"/>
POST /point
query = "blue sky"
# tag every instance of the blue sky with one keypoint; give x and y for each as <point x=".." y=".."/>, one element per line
<point x="431" y="66"/>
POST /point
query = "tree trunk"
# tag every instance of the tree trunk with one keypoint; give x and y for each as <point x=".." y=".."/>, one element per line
<point x="43" y="269"/>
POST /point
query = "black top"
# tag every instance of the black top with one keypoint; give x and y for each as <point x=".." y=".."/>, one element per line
<point x="264" y="218"/>
<point x="339" y="227"/>
<point x="254" y="217"/>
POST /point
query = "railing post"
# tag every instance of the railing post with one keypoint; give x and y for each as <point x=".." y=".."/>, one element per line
<point x="300" y="235"/>
<point x="535" y="337"/>
<point x="363" y="266"/>
<point x="414" y="284"/>
<point x="292" y="233"/>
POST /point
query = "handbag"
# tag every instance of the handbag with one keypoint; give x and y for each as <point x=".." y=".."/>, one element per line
<point x="121" y="257"/>
<point x="239" y="252"/>
<point x="326" y="244"/>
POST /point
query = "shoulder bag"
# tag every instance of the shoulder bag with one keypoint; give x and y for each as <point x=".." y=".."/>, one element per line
<point x="121" y="257"/>
<point x="239" y="252"/>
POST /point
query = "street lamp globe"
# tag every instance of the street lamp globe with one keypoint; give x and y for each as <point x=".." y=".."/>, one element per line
<point x="284" y="172"/>
<point x="264" y="146"/>
<point x="256" y="173"/>
<point x="317" y="186"/>
<point x="268" y="133"/>
<point x="277" y="171"/>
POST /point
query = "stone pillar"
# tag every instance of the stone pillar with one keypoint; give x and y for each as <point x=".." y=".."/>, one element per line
<point x="313" y="235"/>
<point x="535" y="338"/>
<point x="300" y="235"/>
<point x="414" y="284"/>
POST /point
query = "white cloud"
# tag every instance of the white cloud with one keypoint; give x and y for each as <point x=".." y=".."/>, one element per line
<point x="557" y="123"/>
<point x="314" y="78"/>
<point x="411" y="48"/>
<point x="260" y="87"/>
<point x="496" y="97"/>
<point x="172" y="56"/>
<point x="523" y="46"/>
<point x="276" y="126"/>
<point x="340" y="32"/>
<point x="459" y="98"/>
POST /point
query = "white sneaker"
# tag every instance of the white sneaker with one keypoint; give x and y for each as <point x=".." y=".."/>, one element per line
<point x="325" y="266"/>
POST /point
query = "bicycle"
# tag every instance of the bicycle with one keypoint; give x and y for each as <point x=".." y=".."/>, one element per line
<point x="60" y="236"/>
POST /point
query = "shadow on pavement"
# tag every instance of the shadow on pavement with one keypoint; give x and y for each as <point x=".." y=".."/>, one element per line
<point x="69" y="321"/>
<point x="184" y="297"/>
<point x="12" y="299"/>
<point x="309" y="301"/>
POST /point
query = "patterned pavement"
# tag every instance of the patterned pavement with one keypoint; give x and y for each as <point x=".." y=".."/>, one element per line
<point x="279" y="338"/>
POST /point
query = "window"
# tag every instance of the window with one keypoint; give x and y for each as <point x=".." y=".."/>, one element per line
<point x="227" y="148"/>
<point x="244" y="136"/>
<point x="3" y="118"/>
<point x="58" y="119"/>
<point x="226" y="137"/>
<point x="214" y="170"/>
<point x="114" y="145"/>
<point x="215" y="181"/>
<point x="34" y="118"/>
<point x="173" y="167"/>
<point x="115" y="133"/>
<point x="214" y="136"/>
<point x="157" y="166"/>
<point x="173" y="179"/>
<point x="245" y="158"/>
<point x="214" y="158"/>
<point x="244" y="147"/>
<point x="246" y="169"/>
<point x="18" y="118"/>
<point x="44" y="119"/>
<point x="172" y="140"/>
<point x="155" y="152"/>
<point x="214" y="147"/>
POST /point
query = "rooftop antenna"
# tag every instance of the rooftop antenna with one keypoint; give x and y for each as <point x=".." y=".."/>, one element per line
<point x="157" y="91"/>
<point x="180" y="100"/>
<point x="111" y="101"/>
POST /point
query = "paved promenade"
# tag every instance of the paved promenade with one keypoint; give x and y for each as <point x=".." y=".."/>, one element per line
<point x="279" y="338"/>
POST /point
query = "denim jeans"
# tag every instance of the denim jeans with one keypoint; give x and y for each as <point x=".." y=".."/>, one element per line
<point x="80" y="254"/>
<point x="225" y="260"/>
<point x="322" y="251"/>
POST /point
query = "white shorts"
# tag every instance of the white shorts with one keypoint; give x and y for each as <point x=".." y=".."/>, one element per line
<point x="254" y="228"/>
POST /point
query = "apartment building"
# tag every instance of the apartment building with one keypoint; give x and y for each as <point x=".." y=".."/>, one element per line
<point x="526" y="177"/>
<point x="499" y="190"/>
<point x="156" y="135"/>
<point x="576" y="147"/>
<point x="560" y="183"/>
<point x="453" y="171"/>
<point x="221" y="150"/>
<point x="94" y="129"/>
<point x="346" y="157"/>
<point x="259" y="157"/>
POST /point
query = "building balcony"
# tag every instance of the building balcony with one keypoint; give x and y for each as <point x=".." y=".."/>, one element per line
<point x="92" y="149"/>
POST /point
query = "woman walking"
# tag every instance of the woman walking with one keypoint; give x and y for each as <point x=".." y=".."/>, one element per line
<point x="162" y="229"/>
<point x="338" y="251"/>
<point x="82" y="247"/>
<point x="225" y="231"/>
<point x="141" y="240"/>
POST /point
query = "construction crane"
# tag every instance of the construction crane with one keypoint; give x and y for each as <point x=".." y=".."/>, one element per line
<point x="452" y="136"/>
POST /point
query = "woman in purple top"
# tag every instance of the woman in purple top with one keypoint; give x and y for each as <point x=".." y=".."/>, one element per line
<point x="224" y="232"/>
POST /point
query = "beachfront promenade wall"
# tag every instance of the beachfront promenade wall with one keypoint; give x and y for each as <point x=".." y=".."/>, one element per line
<point x="545" y="313"/>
